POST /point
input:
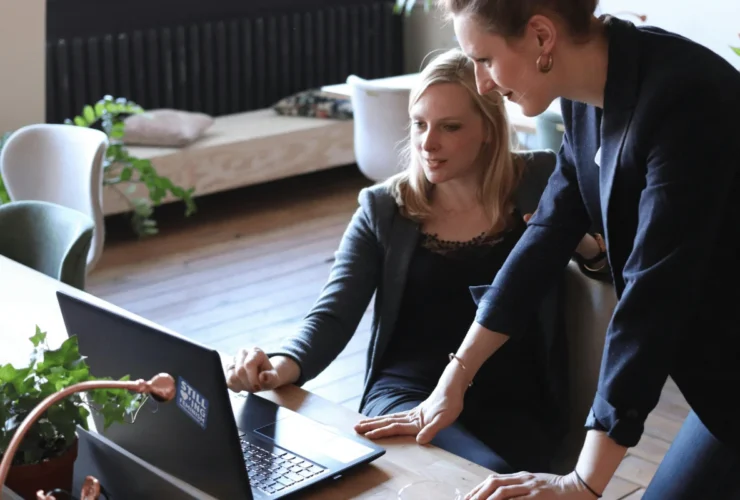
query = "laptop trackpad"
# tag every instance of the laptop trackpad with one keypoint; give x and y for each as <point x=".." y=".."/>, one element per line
<point x="302" y="436"/>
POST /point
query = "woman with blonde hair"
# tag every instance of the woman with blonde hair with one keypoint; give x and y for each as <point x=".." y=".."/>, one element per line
<point x="423" y="241"/>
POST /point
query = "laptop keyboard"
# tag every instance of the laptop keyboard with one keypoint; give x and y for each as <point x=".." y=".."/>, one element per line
<point x="276" y="470"/>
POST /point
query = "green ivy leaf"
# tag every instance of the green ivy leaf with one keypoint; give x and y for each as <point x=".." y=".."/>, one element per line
<point x="736" y="50"/>
<point x="67" y="356"/>
<point x="7" y="373"/>
<point x="89" y="113"/>
<point x="80" y="121"/>
<point x="39" y="338"/>
<point x="23" y="381"/>
<point x="117" y="131"/>
<point x="126" y="173"/>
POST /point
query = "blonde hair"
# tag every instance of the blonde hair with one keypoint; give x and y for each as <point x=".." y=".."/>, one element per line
<point x="499" y="179"/>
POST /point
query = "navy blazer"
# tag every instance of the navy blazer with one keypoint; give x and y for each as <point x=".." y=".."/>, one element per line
<point x="666" y="194"/>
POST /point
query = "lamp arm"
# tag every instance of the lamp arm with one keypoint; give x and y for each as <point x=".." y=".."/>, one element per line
<point x="161" y="387"/>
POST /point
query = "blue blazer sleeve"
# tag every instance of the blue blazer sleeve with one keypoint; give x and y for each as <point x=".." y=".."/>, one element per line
<point x="538" y="259"/>
<point x="689" y="175"/>
<point x="354" y="277"/>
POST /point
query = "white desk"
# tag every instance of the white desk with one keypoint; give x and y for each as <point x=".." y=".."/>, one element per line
<point x="28" y="298"/>
<point x="520" y="122"/>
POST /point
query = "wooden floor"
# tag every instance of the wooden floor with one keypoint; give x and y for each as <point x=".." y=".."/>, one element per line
<point x="245" y="269"/>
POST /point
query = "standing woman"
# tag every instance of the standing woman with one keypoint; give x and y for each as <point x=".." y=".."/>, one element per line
<point x="649" y="154"/>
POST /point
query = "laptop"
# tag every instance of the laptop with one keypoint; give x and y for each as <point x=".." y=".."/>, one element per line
<point x="227" y="445"/>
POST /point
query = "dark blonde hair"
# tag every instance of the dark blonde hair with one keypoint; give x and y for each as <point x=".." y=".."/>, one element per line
<point x="508" y="18"/>
<point x="499" y="177"/>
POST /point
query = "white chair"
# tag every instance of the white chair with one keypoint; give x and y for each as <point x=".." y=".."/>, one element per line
<point x="61" y="164"/>
<point x="381" y="122"/>
<point x="589" y="305"/>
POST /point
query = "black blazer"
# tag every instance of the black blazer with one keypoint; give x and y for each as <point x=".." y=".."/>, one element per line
<point x="666" y="194"/>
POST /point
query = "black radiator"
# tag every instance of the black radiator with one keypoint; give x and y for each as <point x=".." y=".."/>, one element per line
<point x="213" y="56"/>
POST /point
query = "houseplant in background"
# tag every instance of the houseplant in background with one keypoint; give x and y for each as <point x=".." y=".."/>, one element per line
<point x="46" y="456"/>
<point x="121" y="170"/>
<point x="120" y="167"/>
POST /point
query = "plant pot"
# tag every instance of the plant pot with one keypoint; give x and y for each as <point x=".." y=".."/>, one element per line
<point x="58" y="472"/>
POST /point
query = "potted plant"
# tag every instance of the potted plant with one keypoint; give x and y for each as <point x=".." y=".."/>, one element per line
<point x="121" y="170"/>
<point x="45" y="459"/>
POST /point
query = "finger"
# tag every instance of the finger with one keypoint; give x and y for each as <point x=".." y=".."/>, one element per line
<point x="526" y="217"/>
<point x="492" y="484"/>
<point x="381" y="420"/>
<point x="399" y="414"/>
<point x="475" y="490"/>
<point x="513" y="491"/>
<point x="394" y="429"/>
<point x="252" y="367"/>
<point x="235" y="380"/>
<point x="257" y="362"/>
<point x="268" y="379"/>
<point x="427" y="433"/>
<point x="377" y="422"/>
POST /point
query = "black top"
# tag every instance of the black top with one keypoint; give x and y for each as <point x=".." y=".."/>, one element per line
<point x="667" y="191"/>
<point x="436" y="312"/>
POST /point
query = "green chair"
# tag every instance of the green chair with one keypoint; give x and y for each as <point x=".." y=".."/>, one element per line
<point x="550" y="131"/>
<point x="49" y="238"/>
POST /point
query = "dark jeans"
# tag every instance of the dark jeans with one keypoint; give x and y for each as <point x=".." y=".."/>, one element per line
<point x="524" y="450"/>
<point x="697" y="466"/>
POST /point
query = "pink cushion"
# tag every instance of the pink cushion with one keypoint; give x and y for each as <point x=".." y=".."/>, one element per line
<point x="165" y="128"/>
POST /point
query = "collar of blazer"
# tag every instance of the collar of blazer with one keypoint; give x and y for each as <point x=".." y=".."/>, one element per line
<point x="622" y="78"/>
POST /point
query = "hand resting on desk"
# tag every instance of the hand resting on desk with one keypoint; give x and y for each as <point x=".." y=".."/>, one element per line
<point x="440" y="410"/>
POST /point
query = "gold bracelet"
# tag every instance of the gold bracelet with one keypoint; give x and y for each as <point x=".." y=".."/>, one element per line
<point x="462" y="365"/>
<point x="597" y="269"/>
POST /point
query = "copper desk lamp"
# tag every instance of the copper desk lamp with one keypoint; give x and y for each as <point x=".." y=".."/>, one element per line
<point x="161" y="387"/>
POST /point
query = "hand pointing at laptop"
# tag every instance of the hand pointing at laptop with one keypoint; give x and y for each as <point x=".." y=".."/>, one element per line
<point x="253" y="371"/>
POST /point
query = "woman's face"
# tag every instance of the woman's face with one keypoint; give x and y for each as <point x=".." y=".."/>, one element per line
<point x="447" y="133"/>
<point x="508" y="68"/>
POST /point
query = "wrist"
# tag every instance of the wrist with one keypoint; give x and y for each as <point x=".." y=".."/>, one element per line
<point x="599" y="460"/>
<point x="288" y="371"/>
<point x="582" y="486"/>
<point x="455" y="378"/>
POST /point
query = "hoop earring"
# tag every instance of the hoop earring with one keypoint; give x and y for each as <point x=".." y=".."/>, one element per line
<point x="548" y="66"/>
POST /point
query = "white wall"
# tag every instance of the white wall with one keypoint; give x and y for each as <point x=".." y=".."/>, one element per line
<point x="713" y="23"/>
<point x="22" y="63"/>
<point x="425" y="33"/>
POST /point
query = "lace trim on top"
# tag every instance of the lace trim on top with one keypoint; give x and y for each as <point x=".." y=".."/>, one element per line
<point x="446" y="247"/>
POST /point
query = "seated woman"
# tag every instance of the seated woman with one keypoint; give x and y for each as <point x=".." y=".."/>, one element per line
<point x="423" y="240"/>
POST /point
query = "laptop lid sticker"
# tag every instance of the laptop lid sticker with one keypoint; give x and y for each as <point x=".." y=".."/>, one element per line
<point x="192" y="403"/>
